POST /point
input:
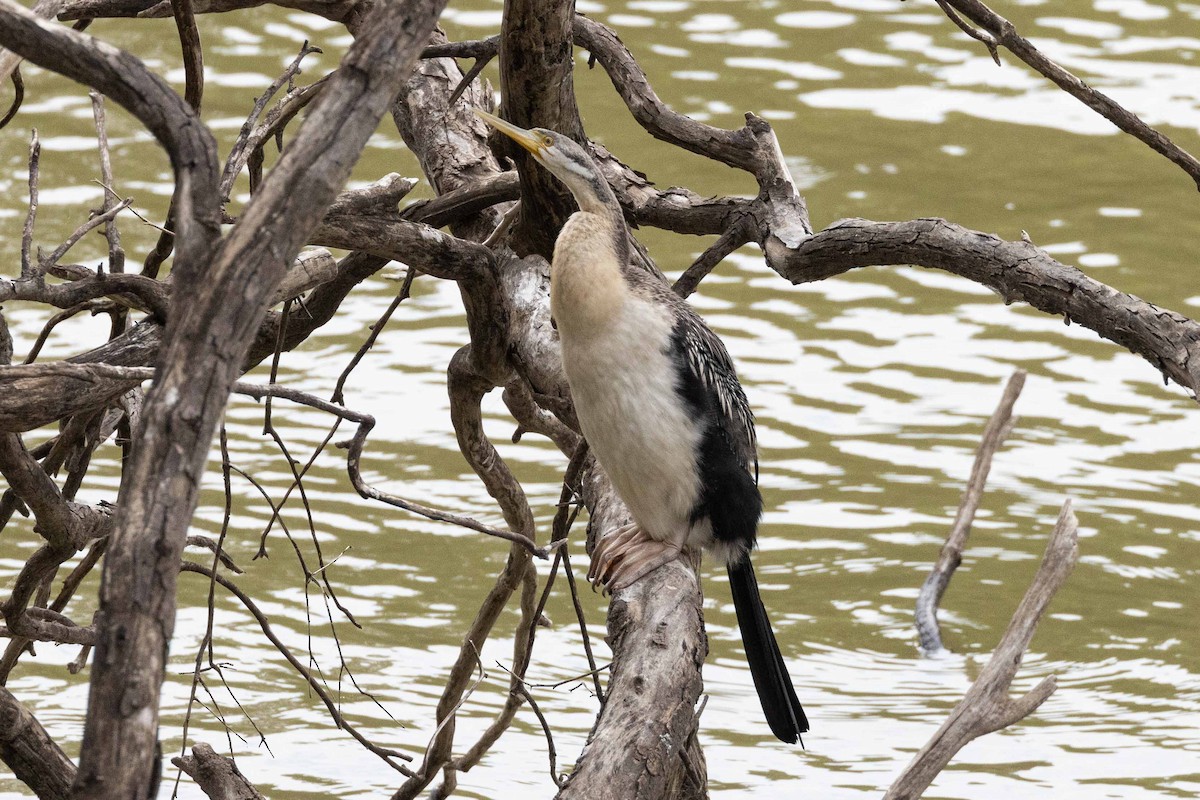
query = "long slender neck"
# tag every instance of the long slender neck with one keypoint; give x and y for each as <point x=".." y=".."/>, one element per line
<point x="587" y="284"/>
<point x="595" y="196"/>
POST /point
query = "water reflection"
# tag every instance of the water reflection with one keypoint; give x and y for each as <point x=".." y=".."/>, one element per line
<point x="870" y="388"/>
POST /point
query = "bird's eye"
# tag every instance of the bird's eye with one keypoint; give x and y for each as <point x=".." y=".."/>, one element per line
<point x="547" y="141"/>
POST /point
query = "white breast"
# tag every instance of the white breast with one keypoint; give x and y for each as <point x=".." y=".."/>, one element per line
<point x="623" y="384"/>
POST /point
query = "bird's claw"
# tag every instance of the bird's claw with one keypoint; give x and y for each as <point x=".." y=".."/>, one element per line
<point x="626" y="555"/>
<point x="607" y="549"/>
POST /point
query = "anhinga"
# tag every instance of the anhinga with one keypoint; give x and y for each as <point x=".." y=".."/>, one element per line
<point x="660" y="405"/>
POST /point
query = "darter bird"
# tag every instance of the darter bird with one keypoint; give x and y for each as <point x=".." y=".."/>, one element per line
<point x="660" y="405"/>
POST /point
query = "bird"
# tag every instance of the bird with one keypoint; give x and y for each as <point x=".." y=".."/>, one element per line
<point x="659" y="403"/>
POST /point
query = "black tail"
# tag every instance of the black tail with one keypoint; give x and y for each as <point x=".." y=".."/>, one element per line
<point x="775" y="692"/>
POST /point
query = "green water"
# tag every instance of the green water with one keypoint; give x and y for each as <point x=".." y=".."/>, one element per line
<point x="870" y="389"/>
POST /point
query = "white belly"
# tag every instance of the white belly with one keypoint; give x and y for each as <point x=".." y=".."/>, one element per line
<point x="623" y="384"/>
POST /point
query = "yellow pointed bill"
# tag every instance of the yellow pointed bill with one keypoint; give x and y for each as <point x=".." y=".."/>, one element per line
<point x="526" y="139"/>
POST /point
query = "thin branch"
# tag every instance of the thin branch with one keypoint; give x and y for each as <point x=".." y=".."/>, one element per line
<point x="386" y="754"/>
<point x="987" y="706"/>
<point x="475" y="48"/>
<point x="250" y="138"/>
<point x="27" y="266"/>
<point x="738" y="234"/>
<point x="116" y="255"/>
<point x="54" y="322"/>
<point x="376" y="329"/>
<point x="206" y="640"/>
<point x="134" y="291"/>
<point x="988" y="40"/>
<point x="126" y="80"/>
<point x="18" y="84"/>
<point x="465" y="201"/>
<point x="551" y="752"/>
<point x="1003" y="32"/>
<point x="994" y="434"/>
<point x="355" y="447"/>
<point x="193" y="52"/>
<point x="43" y="625"/>
<point x="469" y="76"/>
<point x="95" y="222"/>
<point x="467" y="388"/>
<point x="1017" y="271"/>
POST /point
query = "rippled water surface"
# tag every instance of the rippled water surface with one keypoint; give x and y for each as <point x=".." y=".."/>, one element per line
<point x="871" y="390"/>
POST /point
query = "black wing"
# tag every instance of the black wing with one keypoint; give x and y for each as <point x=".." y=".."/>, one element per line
<point x="711" y="367"/>
<point x="726" y="457"/>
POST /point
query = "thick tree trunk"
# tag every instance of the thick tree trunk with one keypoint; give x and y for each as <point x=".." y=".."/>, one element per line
<point x="538" y="90"/>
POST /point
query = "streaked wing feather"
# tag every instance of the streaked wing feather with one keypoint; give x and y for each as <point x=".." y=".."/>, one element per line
<point x="710" y="362"/>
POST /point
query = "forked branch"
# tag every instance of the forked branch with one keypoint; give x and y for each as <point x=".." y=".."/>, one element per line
<point x="987" y="706"/>
<point x="997" y="430"/>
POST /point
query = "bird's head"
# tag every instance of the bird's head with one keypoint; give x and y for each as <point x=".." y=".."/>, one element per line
<point x="563" y="157"/>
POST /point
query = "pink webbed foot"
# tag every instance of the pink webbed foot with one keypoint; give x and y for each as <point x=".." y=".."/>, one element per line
<point x="627" y="555"/>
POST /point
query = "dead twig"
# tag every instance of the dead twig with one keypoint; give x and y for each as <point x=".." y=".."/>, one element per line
<point x="987" y="706"/>
<point x="994" y="434"/>
<point x="387" y="755"/>
<point x="246" y="141"/>
<point x="18" y="84"/>
<point x="95" y="222"/>
<point x="27" y="266"/>
<point x="1003" y="32"/>
<point x="116" y="255"/>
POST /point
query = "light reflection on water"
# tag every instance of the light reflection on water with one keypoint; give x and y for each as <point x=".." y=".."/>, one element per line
<point x="871" y="389"/>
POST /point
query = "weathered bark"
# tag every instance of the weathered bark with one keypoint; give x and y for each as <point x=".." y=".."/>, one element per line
<point x="35" y="758"/>
<point x="1017" y="271"/>
<point x="538" y="91"/>
<point x="216" y="775"/>
<point x="206" y="343"/>
<point x="643" y="744"/>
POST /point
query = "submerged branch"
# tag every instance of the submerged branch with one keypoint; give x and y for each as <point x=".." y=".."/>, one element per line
<point x="997" y="430"/>
<point x="987" y="706"/>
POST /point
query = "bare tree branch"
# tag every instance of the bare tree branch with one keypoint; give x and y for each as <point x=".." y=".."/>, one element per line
<point x="987" y="706"/>
<point x="35" y="759"/>
<point x="216" y="775"/>
<point x="125" y="79"/>
<point x="252" y="135"/>
<point x="1017" y="271"/>
<point x="193" y="52"/>
<point x="31" y="397"/>
<point x="997" y="430"/>
<point x="388" y="756"/>
<point x="1001" y="31"/>
<point x="203" y="353"/>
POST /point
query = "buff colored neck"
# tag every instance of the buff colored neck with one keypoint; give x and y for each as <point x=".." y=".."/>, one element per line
<point x="587" y="287"/>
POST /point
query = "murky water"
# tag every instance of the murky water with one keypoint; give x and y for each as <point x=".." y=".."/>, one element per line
<point x="871" y="390"/>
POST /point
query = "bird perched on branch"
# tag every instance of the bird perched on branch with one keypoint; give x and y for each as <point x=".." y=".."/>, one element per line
<point x="659" y="403"/>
